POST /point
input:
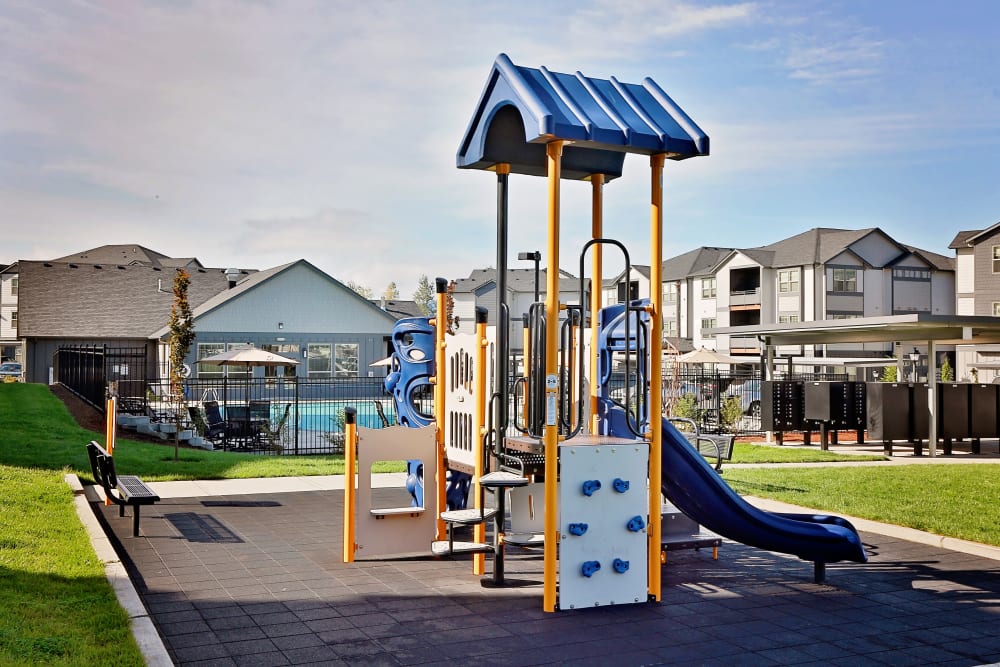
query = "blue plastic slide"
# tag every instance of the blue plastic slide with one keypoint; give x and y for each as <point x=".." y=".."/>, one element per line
<point x="693" y="486"/>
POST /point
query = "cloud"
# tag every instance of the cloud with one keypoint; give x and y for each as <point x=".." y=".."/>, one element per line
<point x="852" y="60"/>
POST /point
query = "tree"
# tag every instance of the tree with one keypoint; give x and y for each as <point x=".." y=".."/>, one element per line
<point x="947" y="372"/>
<point x="180" y="339"/>
<point x="364" y="291"/>
<point x="424" y="296"/>
<point x="391" y="292"/>
<point x="890" y="374"/>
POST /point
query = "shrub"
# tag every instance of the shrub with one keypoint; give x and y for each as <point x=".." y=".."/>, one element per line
<point x="687" y="407"/>
<point x="731" y="413"/>
<point x="947" y="372"/>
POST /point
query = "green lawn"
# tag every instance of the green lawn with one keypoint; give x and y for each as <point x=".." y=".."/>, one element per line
<point x="56" y="606"/>
<point x="953" y="500"/>
<point x="745" y="452"/>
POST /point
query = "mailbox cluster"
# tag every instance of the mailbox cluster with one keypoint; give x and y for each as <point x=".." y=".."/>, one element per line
<point x="898" y="411"/>
<point x="795" y="405"/>
<point x="782" y="405"/>
<point x="888" y="410"/>
<point x="836" y="406"/>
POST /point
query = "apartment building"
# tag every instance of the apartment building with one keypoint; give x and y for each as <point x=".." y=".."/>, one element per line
<point x="820" y="274"/>
<point x="10" y="345"/>
<point x="977" y="292"/>
<point x="480" y="289"/>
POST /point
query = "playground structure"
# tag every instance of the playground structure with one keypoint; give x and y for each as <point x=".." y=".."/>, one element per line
<point x="585" y="471"/>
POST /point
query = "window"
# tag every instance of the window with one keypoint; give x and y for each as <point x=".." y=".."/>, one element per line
<point x="670" y="328"/>
<point x="788" y="280"/>
<point x="843" y="316"/>
<point x="320" y="358"/>
<point x="13" y="320"/>
<point x="996" y="259"/>
<point x="787" y="319"/>
<point x="290" y="350"/>
<point x="845" y="280"/>
<point x="13" y="286"/>
<point x="210" y="370"/>
<point x="633" y="291"/>
<point x="670" y="293"/>
<point x="707" y="323"/>
<point x="912" y="274"/>
<point x="345" y="360"/>
<point x="708" y="288"/>
<point x="996" y="309"/>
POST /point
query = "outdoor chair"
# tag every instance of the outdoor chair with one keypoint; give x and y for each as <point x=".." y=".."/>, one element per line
<point x="215" y="423"/>
<point x="381" y="414"/>
<point x="274" y="433"/>
<point x="214" y="433"/>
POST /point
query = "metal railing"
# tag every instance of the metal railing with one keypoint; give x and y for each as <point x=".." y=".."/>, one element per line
<point x="290" y="415"/>
<point x="87" y="370"/>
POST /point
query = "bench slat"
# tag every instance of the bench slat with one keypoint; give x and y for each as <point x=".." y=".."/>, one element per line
<point x="134" y="489"/>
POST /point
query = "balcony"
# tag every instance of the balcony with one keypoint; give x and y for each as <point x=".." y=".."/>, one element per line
<point x="744" y="345"/>
<point x="744" y="299"/>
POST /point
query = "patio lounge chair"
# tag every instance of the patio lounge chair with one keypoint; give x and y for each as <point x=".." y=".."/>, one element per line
<point x="274" y="433"/>
<point x="214" y="433"/>
<point x="216" y="424"/>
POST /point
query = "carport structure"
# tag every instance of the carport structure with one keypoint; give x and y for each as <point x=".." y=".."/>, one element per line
<point x="921" y="328"/>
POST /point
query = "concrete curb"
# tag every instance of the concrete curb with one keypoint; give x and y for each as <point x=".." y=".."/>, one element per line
<point x="146" y="636"/>
<point x="889" y="530"/>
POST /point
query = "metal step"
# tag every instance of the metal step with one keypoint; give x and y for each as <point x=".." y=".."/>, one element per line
<point x="397" y="511"/>
<point x="525" y="540"/>
<point x="675" y="522"/>
<point x="502" y="478"/>
<point x="691" y="541"/>
<point x="444" y="548"/>
<point x="468" y="517"/>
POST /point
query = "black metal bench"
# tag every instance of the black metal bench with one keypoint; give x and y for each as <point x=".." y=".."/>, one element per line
<point x="711" y="446"/>
<point x="121" y="489"/>
<point x="718" y="447"/>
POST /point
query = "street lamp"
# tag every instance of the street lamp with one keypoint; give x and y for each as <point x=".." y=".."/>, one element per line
<point x="536" y="257"/>
<point x="914" y="358"/>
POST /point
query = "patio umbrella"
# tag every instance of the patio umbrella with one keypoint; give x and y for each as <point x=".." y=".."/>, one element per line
<point x="705" y="356"/>
<point x="249" y="358"/>
<point x="383" y="362"/>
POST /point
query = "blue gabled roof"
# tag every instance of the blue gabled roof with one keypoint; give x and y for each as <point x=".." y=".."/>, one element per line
<point x="521" y="109"/>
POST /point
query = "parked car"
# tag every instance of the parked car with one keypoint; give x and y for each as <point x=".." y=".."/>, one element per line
<point x="748" y="392"/>
<point x="11" y="369"/>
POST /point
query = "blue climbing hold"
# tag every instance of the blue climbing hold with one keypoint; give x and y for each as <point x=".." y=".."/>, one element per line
<point x="591" y="486"/>
<point x="620" y="485"/>
<point x="620" y="566"/>
<point x="578" y="529"/>
<point x="635" y="524"/>
<point x="589" y="568"/>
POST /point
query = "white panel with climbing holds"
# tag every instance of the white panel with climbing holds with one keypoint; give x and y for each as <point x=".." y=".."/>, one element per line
<point x="603" y="516"/>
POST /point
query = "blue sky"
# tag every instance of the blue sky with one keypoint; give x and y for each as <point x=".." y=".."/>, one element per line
<point x="255" y="133"/>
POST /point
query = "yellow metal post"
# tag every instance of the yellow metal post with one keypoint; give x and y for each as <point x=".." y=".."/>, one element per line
<point x="596" y="230"/>
<point x="350" y="460"/>
<point x="109" y="427"/>
<point x="553" y="154"/>
<point x="479" y="428"/>
<point x="655" y="371"/>
<point x="109" y="432"/>
<point x="440" y="371"/>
